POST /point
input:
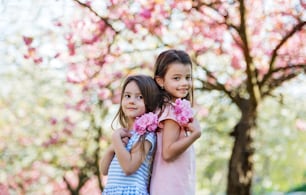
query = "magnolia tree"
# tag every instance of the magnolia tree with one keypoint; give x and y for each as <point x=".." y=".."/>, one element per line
<point x="262" y="42"/>
<point x="51" y="132"/>
<point x="49" y="143"/>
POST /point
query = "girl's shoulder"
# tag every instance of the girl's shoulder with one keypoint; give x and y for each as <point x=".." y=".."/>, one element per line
<point x="166" y="112"/>
<point x="147" y="136"/>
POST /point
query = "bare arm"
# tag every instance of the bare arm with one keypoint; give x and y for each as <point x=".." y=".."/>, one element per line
<point x="129" y="161"/>
<point x="174" y="144"/>
<point x="110" y="152"/>
<point x="107" y="159"/>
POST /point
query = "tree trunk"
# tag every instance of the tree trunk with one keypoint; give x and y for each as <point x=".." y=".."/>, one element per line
<point x="241" y="163"/>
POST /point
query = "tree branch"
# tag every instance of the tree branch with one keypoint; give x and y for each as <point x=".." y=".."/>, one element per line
<point x="279" y="81"/>
<point x="68" y="185"/>
<point x="296" y="66"/>
<point x="217" y="86"/>
<point x="197" y="5"/>
<point x="94" y="12"/>
<point x="295" y="29"/>
<point x="252" y="80"/>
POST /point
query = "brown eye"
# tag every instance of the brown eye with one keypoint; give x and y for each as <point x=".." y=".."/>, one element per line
<point x="140" y="97"/>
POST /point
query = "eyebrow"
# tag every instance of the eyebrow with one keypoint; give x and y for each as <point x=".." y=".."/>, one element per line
<point x="181" y="74"/>
<point x="127" y="92"/>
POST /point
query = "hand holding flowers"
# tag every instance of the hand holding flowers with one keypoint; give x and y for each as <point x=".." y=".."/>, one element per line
<point x="148" y="122"/>
<point x="183" y="112"/>
<point x="122" y="134"/>
<point x="184" y="116"/>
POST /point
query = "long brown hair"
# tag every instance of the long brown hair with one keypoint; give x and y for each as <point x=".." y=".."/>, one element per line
<point x="149" y="91"/>
<point x="161" y="66"/>
<point x="151" y="95"/>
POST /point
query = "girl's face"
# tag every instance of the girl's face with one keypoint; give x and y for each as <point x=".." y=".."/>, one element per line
<point x="132" y="102"/>
<point x="177" y="81"/>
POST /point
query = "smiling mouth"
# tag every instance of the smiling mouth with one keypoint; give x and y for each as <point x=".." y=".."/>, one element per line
<point x="131" y="108"/>
<point x="183" y="90"/>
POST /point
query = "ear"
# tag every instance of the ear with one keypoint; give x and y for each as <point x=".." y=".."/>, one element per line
<point x="160" y="82"/>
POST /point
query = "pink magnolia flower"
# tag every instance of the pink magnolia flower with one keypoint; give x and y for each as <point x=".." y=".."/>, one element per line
<point x="146" y="123"/>
<point x="27" y="40"/>
<point x="146" y="14"/>
<point x="183" y="111"/>
<point x="300" y="125"/>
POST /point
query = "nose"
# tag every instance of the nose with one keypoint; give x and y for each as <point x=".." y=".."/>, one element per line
<point x="185" y="82"/>
<point x="131" y="100"/>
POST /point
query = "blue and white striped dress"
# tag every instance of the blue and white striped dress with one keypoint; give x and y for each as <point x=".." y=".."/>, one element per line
<point x="118" y="183"/>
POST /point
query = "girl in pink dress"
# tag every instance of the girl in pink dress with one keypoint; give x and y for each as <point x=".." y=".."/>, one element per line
<point x="174" y="162"/>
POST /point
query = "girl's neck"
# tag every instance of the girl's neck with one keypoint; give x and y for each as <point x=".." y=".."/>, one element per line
<point x="130" y="125"/>
<point x="173" y="99"/>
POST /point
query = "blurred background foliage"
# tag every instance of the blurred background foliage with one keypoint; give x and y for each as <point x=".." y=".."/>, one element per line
<point x="32" y="96"/>
<point x="50" y="140"/>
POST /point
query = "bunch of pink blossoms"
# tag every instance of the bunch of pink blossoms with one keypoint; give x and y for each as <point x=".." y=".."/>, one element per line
<point x="148" y="122"/>
<point x="183" y="111"/>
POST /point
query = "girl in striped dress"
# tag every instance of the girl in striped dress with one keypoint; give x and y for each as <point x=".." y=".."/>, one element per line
<point x="127" y="161"/>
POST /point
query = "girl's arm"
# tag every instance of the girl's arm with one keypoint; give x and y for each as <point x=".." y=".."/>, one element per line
<point x="107" y="159"/>
<point x="129" y="161"/>
<point x="110" y="152"/>
<point x="175" y="144"/>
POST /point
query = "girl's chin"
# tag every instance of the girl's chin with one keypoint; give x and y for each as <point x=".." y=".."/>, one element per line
<point x="182" y="95"/>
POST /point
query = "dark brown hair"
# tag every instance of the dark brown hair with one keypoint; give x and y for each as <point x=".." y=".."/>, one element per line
<point x="148" y="89"/>
<point x="150" y="92"/>
<point x="162" y="63"/>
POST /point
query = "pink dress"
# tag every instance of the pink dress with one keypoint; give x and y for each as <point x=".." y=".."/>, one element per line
<point x="178" y="176"/>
